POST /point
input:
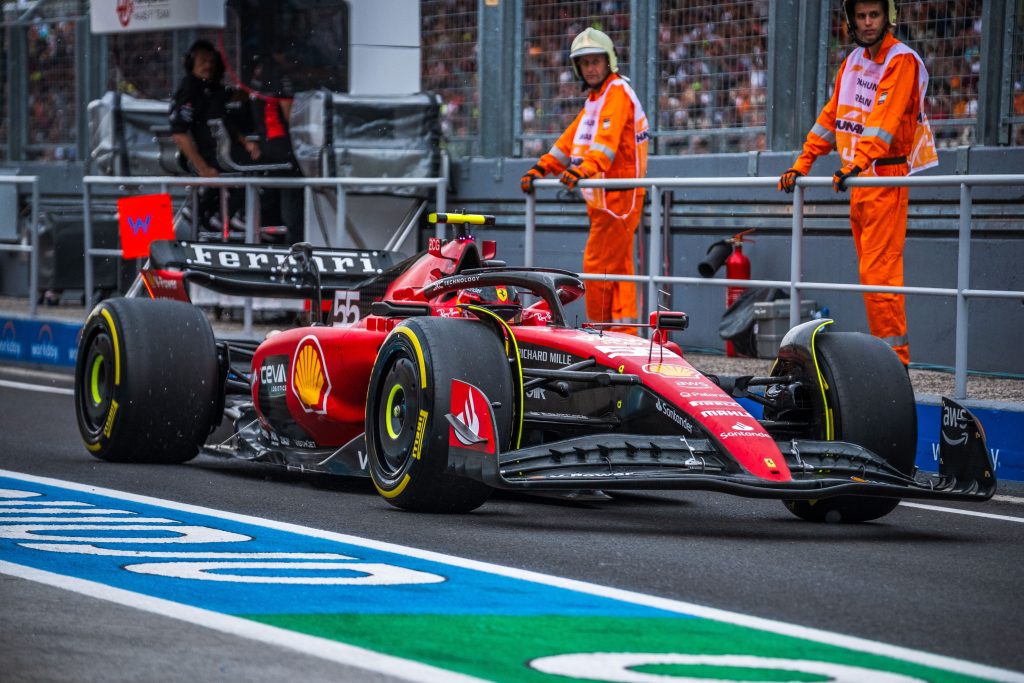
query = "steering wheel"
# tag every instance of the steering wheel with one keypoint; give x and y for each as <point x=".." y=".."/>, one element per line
<point x="555" y="287"/>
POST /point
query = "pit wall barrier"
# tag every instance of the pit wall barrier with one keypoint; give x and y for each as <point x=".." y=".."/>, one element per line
<point x="30" y="249"/>
<point x="53" y="345"/>
<point x="963" y="292"/>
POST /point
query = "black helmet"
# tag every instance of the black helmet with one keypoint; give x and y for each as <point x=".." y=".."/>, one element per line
<point x="889" y="7"/>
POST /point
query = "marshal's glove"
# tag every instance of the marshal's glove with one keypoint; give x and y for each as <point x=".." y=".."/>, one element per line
<point x="571" y="176"/>
<point x="787" y="181"/>
<point x="839" y="179"/>
<point x="526" y="182"/>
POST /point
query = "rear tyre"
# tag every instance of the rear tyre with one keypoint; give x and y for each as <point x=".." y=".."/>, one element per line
<point x="146" y="381"/>
<point x="410" y="393"/>
<point x="872" y="404"/>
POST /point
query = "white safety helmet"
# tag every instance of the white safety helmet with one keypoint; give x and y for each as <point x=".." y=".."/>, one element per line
<point x="848" y="7"/>
<point x="593" y="42"/>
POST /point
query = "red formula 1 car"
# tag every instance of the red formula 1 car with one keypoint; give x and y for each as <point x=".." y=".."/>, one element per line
<point x="438" y="378"/>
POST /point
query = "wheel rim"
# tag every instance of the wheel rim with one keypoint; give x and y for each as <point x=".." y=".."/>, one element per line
<point x="98" y="383"/>
<point x="397" y="414"/>
<point x="394" y="411"/>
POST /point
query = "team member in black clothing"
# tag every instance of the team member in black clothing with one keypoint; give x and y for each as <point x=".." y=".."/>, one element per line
<point x="201" y="97"/>
<point x="272" y="95"/>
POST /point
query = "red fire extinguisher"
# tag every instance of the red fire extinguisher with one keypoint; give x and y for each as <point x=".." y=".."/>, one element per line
<point x="737" y="267"/>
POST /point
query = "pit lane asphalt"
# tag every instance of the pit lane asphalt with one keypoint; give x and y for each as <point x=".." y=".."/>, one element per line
<point x="938" y="582"/>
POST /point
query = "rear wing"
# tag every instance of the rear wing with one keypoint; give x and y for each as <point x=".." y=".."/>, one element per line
<point x="266" y="270"/>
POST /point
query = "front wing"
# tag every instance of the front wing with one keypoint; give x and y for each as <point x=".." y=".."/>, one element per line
<point x="819" y="469"/>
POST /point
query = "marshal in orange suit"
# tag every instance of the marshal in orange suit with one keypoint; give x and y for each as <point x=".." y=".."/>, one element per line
<point x="875" y="120"/>
<point x="608" y="139"/>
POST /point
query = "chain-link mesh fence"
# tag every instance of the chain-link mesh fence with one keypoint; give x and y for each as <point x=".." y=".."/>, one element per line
<point x="308" y="38"/>
<point x="4" y="92"/>
<point x="1016" y="108"/>
<point x="711" y="67"/>
<point x="228" y="42"/>
<point x="552" y="94"/>
<point x="712" y="76"/>
<point x="141" y="64"/>
<point x="449" y="68"/>
<point x="947" y="36"/>
<point x="52" y="101"/>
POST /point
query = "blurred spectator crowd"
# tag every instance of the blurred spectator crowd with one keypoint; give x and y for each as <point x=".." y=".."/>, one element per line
<point x="712" y="66"/>
<point x="51" y="91"/>
<point x="712" y="69"/>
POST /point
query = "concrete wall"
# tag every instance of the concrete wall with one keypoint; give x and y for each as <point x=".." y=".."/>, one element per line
<point x="384" y="47"/>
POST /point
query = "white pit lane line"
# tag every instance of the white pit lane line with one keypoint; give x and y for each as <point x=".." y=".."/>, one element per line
<point x="331" y="650"/>
<point x="1015" y="500"/>
<point x="971" y="513"/>
<point x="37" y="387"/>
<point x="414" y="671"/>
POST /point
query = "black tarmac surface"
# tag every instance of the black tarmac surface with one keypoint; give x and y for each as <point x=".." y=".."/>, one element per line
<point x="943" y="583"/>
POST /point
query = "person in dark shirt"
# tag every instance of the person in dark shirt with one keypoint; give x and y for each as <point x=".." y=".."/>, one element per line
<point x="200" y="97"/>
<point x="272" y="95"/>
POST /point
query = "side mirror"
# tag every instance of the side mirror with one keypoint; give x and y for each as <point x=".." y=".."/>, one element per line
<point x="676" y="321"/>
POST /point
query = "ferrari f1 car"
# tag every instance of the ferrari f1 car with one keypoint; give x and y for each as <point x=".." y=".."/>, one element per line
<point x="449" y="374"/>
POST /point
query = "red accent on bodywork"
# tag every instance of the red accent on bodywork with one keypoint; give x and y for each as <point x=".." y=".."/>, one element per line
<point x="348" y="356"/>
<point x="164" y="284"/>
<point x="488" y="249"/>
<point x="669" y="376"/>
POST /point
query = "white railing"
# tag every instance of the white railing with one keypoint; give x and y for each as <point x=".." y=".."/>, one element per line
<point x="962" y="292"/>
<point x="31" y="249"/>
<point x="250" y="184"/>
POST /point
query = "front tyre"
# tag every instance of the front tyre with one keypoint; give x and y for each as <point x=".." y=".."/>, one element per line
<point x="146" y="381"/>
<point x="872" y="404"/>
<point x="410" y="393"/>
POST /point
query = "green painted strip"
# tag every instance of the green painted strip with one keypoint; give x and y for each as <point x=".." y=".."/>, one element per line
<point x="500" y="648"/>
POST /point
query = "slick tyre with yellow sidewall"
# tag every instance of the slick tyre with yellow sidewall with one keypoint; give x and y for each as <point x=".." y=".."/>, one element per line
<point x="409" y="395"/>
<point x="871" y="403"/>
<point x="146" y="381"/>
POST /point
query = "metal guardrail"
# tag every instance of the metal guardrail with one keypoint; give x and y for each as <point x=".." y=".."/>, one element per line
<point x="31" y="249"/>
<point x="962" y="292"/>
<point x="250" y="184"/>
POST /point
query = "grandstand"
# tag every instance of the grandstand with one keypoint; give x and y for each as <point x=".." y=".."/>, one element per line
<point x="711" y="68"/>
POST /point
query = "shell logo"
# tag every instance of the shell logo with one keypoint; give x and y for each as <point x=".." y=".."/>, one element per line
<point x="310" y="381"/>
<point x="667" y="370"/>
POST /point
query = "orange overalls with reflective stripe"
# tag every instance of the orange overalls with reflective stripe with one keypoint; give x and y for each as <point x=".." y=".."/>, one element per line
<point x="608" y="139"/>
<point x="876" y="122"/>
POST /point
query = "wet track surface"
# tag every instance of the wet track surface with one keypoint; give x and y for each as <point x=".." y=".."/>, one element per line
<point x="929" y="580"/>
